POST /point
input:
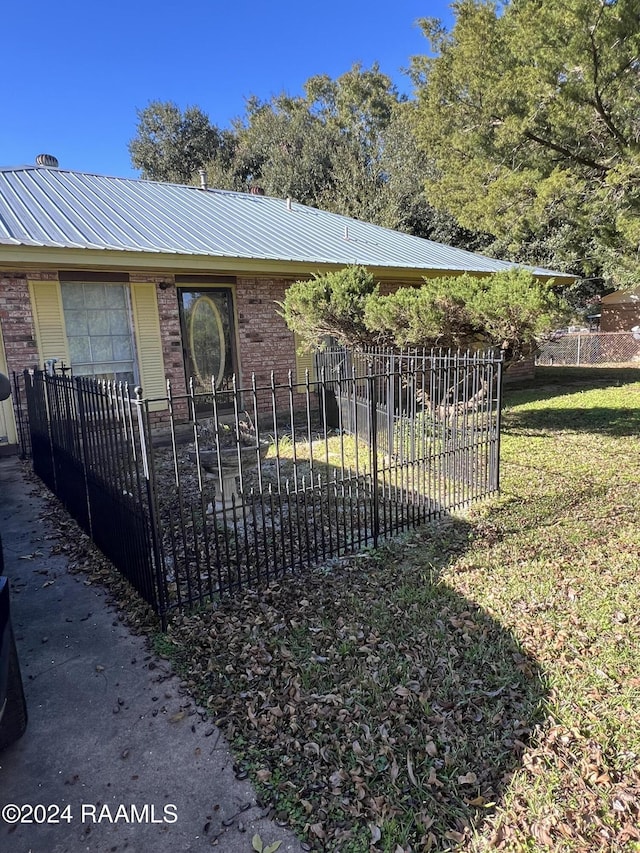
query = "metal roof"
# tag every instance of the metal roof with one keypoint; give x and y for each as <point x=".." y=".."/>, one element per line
<point x="58" y="208"/>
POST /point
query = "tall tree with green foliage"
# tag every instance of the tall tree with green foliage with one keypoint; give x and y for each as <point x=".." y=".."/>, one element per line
<point x="172" y="145"/>
<point x="344" y="145"/>
<point x="530" y="113"/>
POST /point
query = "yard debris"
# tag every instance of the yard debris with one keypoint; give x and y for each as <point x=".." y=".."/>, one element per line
<point x="471" y="687"/>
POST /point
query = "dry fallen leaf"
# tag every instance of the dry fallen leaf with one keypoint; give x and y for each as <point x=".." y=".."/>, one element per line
<point x="468" y="779"/>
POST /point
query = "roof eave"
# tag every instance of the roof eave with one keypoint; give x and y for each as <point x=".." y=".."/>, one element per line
<point x="24" y="258"/>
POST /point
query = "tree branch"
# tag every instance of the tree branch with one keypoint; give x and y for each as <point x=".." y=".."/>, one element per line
<point x="567" y="152"/>
<point x="600" y="108"/>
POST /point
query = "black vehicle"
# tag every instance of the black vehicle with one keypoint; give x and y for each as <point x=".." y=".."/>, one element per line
<point x="13" y="707"/>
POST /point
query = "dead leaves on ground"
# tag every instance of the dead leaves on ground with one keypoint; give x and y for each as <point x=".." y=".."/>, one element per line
<point x="373" y="704"/>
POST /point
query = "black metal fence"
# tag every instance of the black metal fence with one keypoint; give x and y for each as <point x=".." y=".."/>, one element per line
<point x="233" y="489"/>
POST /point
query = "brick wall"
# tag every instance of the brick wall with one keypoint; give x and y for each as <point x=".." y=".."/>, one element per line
<point x="619" y="318"/>
<point x="264" y="341"/>
<point x="520" y="371"/>
<point x="170" y="332"/>
<point x="16" y="319"/>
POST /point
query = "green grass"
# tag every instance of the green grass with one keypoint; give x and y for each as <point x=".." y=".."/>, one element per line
<point x="475" y="686"/>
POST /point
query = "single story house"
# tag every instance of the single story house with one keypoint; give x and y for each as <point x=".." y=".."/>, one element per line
<point x="147" y="281"/>
<point x="620" y="311"/>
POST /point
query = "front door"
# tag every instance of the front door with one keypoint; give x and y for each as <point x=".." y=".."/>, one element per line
<point x="208" y="341"/>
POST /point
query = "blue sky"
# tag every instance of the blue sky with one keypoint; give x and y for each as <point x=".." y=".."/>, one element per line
<point x="77" y="72"/>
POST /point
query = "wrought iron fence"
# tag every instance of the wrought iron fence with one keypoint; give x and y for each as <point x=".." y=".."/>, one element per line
<point x="236" y="488"/>
<point x="88" y="444"/>
<point x="590" y="348"/>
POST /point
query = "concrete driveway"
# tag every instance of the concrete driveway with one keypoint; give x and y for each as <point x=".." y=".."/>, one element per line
<point x="116" y="756"/>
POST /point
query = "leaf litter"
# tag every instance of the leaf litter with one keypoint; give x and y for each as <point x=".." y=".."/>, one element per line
<point x="473" y="687"/>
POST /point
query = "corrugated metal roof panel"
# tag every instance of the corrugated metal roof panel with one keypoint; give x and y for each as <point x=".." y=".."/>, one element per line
<point x="42" y="206"/>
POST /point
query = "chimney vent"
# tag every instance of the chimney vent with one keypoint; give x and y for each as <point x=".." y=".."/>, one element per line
<point x="256" y="190"/>
<point x="203" y="179"/>
<point x="47" y="160"/>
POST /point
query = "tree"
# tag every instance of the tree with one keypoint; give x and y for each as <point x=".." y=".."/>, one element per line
<point x="330" y="305"/>
<point x="323" y="148"/>
<point x="529" y="111"/>
<point x="509" y="310"/>
<point x="172" y="146"/>
<point x="345" y="145"/>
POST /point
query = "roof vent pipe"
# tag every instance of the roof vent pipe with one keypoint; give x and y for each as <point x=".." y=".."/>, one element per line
<point x="203" y="179"/>
<point x="47" y="160"/>
<point x="289" y="203"/>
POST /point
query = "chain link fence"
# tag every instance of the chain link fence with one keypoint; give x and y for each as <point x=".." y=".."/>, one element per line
<point x="590" y="348"/>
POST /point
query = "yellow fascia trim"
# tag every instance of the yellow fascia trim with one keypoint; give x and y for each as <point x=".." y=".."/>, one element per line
<point x="42" y="258"/>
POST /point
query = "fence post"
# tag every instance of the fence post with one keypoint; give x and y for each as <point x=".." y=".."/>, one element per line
<point x="147" y="461"/>
<point x="391" y="404"/>
<point x="496" y="461"/>
<point x="373" y="444"/>
<point x="82" y="417"/>
<point x="578" y="354"/>
<point x="20" y="414"/>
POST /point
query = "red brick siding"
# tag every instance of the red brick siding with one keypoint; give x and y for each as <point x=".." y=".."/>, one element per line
<point x="16" y="319"/>
<point x="264" y="341"/>
<point x="171" y="338"/>
<point x="619" y="318"/>
<point x="520" y="371"/>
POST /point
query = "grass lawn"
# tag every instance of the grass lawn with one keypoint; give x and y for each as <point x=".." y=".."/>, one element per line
<point x="473" y="686"/>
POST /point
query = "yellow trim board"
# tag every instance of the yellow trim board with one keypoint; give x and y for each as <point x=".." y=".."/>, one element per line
<point x="44" y="257"/>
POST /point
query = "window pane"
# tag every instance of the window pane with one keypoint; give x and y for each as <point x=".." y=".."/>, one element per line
<point x="72" y="297"/>
<point x="94" y="296"/>
<point x="98" y="322"/>
<point x="115" y="297"/>
<point x="76" y="322"/>
<point x="101" y="349"/>
<point x="80" y="349"/>
<point x="122" y="348"/>
<point x="119" y="322"/>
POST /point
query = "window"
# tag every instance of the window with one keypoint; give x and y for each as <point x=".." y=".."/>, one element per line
<point x="97" y="318"/>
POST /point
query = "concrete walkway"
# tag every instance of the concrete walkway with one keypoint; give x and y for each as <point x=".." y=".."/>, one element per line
<point x="115" y="749"/>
